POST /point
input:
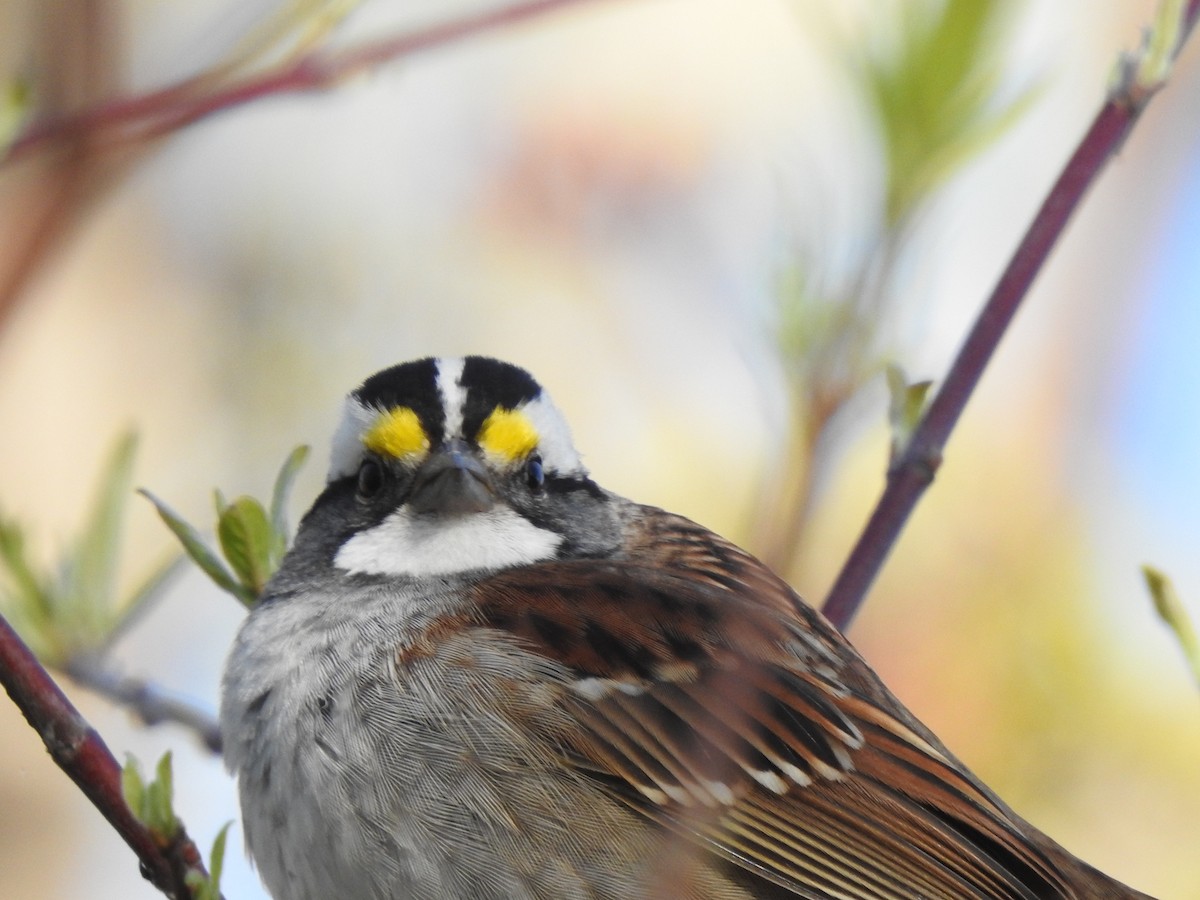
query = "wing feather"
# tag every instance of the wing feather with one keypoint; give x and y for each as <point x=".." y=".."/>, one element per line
<point x="714" y="702"/>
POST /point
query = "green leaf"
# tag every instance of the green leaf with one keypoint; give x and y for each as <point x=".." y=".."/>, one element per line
<point x="88" y="591"/>
<point x="74" y="612"/>
<point x="906" y="406"/>
<point x="15" y="101"/>
<point x="12" y="553"/>
<point x="279" y="501"/>
<point x="195" y="548"/>
<point x="210" y="888"/>
<point x="161" y="798"/>
<point x="151" y="804"/>
<point x="245" y="536"/>
<point x="27" y="595"/>
<point x="934" y="93"/>
<point x="216" y="859"/>
<point x="1172" y="611"/>
<point x="97" y="556"/>
<point x="252" y="541"/>
<point x="133" y="788"/>
<point x="1162" y="44"/>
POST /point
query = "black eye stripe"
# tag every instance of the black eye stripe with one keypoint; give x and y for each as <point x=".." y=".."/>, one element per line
<point x="561" y="484"/>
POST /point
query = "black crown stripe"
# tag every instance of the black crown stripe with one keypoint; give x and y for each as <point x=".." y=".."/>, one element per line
<point x="412" y="384"/>
<point x="490" y="383"/>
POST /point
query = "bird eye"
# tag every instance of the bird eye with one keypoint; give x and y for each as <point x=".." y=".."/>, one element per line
<point x="370" y="478"/>
<point x="534" y="472"/>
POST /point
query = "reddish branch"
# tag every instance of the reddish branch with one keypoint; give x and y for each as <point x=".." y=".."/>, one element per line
<point x="166" y="110"/>
<point x="73" y="144"/>
<point x="77" y="748"/>
<point x="71" y="147"/>
<point x="913" y="470"/>
<point x="82" y="754"/>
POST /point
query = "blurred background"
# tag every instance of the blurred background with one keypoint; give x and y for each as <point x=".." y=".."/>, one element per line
<point x="704" y="226"/>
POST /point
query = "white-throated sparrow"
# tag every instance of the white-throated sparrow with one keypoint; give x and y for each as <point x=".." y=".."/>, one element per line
<point x="478" y="674"/>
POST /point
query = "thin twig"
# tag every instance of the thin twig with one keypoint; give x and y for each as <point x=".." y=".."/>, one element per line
<point x="145" y="700"/>
<point x="80" y="752"/>
<point x="83" y="163"/>
<point x="169" y="109"/>
<point x="77" y="138"/>
<point x="913" y="470"/>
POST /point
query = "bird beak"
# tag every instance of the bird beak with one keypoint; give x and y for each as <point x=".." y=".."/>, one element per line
<point x="452" y="481"/>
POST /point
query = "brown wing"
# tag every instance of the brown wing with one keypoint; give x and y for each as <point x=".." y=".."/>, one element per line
<point x="719" y="705"/>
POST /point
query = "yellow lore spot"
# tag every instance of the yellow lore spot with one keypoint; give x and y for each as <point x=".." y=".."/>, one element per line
<point x="508" y="434"/>
<point x="396" y="433"/>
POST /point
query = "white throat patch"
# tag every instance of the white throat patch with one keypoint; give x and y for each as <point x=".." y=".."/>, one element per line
<point x="421" y="545"/>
